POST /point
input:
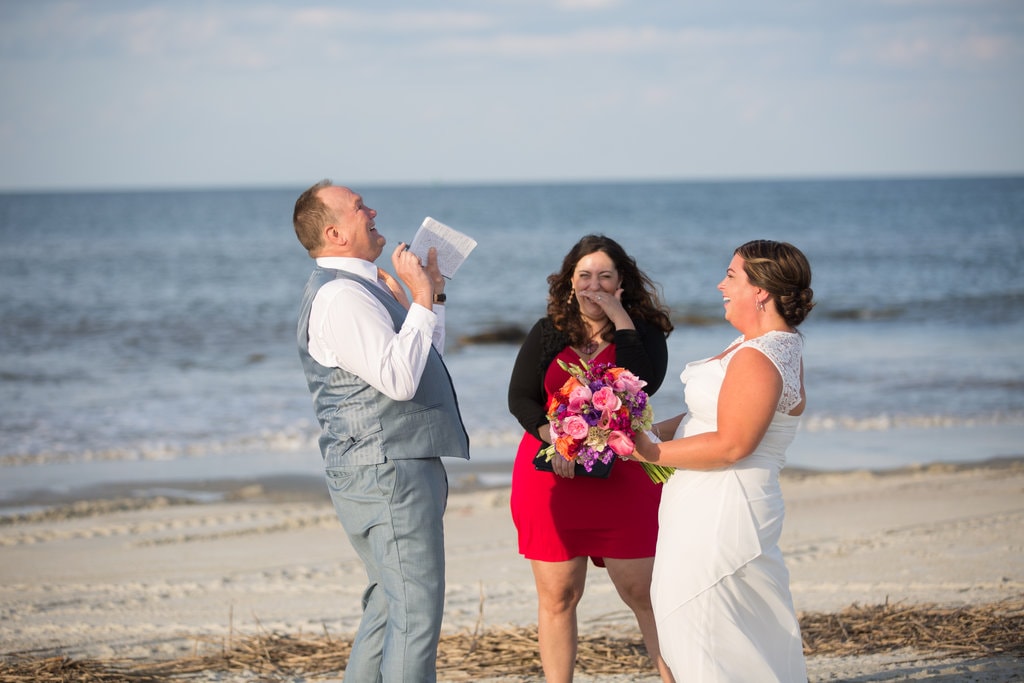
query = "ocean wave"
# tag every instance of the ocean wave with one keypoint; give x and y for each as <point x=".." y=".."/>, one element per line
<point x="283" y="442"/>
<point x="492" y="439"/>
<point x="886" y="422"/>
<point x="956" y="307"/>
<point x="279" y="442"/>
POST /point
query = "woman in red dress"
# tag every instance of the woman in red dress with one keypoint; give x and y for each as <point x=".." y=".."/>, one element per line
<point x="602" y="309"/>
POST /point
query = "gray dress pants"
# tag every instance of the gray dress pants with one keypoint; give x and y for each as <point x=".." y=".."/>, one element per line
<point x="393" y="515"/>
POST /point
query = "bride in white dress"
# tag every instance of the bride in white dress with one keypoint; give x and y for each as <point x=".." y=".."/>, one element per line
<point x="720" y="589"/>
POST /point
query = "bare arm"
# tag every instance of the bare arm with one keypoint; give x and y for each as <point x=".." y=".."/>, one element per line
<point x="746" y="404"/>
<point x="395" y="286"/>
<point x="666" y="429"/>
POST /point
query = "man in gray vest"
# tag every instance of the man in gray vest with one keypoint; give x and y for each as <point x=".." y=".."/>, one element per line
<point x="388" y="413"/>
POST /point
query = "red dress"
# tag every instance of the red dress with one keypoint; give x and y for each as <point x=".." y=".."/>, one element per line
<point x="559" y="519"/>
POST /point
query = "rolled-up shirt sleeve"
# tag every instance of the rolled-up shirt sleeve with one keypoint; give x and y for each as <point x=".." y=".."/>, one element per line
<point x="350" y="329"/>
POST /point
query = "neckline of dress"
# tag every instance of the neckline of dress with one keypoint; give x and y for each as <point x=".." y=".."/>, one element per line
<point x="588" y="358"/>
<point x="744" y="338"/>
<point x="731" y="349"/>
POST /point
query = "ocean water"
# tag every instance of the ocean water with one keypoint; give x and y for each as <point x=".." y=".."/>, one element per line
<point x="150" y="334"/>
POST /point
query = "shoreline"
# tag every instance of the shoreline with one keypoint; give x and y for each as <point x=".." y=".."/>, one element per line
<point x="464" y="477"/>
<point x="134" y="573"/>
<point x="33" y="484"/>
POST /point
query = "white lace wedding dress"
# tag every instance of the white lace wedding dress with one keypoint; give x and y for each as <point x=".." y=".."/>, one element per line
<point x="720" y="589"/>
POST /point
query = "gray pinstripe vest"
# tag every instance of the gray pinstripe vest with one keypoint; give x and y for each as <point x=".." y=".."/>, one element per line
<point x="360" y="425"/>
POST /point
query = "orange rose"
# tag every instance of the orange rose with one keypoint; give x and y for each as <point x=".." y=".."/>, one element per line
<point x="570" y="384"/>
<point x="566" y="446"/>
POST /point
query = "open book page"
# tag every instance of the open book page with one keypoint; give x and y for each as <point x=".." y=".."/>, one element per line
<point x="452" y="246"/>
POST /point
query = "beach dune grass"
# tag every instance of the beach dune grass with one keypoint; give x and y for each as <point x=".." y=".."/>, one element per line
<point x="971" y="631"/>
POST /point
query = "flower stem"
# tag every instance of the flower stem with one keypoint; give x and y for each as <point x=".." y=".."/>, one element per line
<point x="659" y="474"/>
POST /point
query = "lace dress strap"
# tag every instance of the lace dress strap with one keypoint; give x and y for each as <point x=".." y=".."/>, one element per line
<point x="785" y="351"/>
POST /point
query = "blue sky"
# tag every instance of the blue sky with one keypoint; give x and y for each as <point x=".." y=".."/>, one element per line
<point x="126" y="94"/>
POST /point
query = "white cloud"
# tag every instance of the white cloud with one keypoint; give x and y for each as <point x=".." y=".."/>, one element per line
<point x="586" y="5"/>
<point x="615" y="42"/>
<point x="327" y="19"/>
<point x="500" y="89"/>
<point x="922" y="40"/>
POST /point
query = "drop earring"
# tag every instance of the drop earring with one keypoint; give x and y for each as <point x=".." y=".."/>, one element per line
<point x="572" y="293"/>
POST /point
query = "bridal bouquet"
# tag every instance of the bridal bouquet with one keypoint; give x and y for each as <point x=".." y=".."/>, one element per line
<point x="596" y="414"/>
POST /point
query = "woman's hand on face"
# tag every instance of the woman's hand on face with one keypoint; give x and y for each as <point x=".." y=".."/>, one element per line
<point x="602" y="298"/>
<point x="610" y="304"/>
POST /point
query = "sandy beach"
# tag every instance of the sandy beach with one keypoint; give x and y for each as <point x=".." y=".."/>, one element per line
<point x="152" y="577"/>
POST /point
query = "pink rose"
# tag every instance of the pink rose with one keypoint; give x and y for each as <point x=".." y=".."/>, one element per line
<point x="606" y="401"/>
<point x="576" y="427"/>
<point x="579" y="397"/>
<point x="629" y="383"/>
<point x="620" y="443"/>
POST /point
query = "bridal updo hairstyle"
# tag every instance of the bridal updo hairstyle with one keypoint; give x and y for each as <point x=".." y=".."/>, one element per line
<point x="783" y="271"/>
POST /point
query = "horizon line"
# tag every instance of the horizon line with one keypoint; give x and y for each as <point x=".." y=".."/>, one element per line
<point x="114" y="188"/>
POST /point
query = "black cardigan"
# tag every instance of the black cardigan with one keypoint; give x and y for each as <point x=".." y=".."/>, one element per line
<point x="643" y="351"/>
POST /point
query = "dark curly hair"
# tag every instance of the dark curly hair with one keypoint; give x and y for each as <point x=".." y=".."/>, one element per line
<point x="639" y="293"/>
<point x="784" y="272"/>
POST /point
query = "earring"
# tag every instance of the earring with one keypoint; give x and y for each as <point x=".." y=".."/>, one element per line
<point x="760" y="306"/>
<point x="572" y="293"/>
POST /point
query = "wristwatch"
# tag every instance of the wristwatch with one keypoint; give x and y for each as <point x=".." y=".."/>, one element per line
<point x="440" y="298"/>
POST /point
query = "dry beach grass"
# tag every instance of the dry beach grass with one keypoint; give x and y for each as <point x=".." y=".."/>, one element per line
<point x="967" y="632"/>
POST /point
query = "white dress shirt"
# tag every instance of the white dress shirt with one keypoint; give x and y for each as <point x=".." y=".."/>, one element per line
<point x="350" y="329"/>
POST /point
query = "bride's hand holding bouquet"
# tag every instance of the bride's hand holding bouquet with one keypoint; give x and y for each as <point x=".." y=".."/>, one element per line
<point x="644" y="441"/>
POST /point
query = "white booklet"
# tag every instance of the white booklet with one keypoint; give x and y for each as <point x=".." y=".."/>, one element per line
<point x="452" y="246"/>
